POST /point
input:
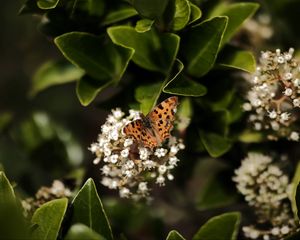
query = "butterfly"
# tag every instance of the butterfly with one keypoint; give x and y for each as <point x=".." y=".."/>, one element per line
<point x="151" y="130"/>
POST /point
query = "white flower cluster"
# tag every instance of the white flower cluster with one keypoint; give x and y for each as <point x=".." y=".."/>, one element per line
<point x="45" y="194"/>
<point x="127" y="166"/>
<point x="274" y="99"/>
<point x="267" y="189"/>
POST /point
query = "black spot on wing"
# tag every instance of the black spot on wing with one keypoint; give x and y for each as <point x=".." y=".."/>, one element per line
<point x="160" y="107"/>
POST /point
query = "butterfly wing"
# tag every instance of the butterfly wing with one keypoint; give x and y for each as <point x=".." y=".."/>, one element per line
<point x="162" y="118"/>
<point x="138" y="132"/>
<point x="134" y="129"/>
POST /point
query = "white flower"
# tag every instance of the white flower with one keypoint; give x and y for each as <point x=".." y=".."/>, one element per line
<point x="160" y="152"/>
<point x="288" y="92"/>
<point x="272" y="114"/>
<point x="124" y="192"/>
<point x="117" y="113"/>
<point x="160" y="180"/>
<point x="162" y="169"/>
<point x="125" y="153"/>
<point x="126" y="165"/>
<point x="266" y="189"/>
<point x="284" y="116"/>
<point x="128" y="142"/>
<point x="113" y="158"/>
<point x="294" y="136"/>
<point x="143" y="153"/>
<point x="247" y="107"/>
<point x="267" y="103"/>
<point x="143" y="187"/>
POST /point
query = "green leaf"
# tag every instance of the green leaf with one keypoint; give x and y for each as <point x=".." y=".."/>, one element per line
<point x="237" y="13"/>
<point x="12" y="224"/>
<point x="174" y="235"/>
<point x="88" y="88"/>
<point x="152" y="50"/>
<point x="182" y="14"/>
<point x="213" y="192"/>
<point x="117" y="15"/>
<point x="201" y="45"/>
<point x="185" y="87"/>
<point x="224" y="226"/>
<point x="7" y="194"/>
<point x="153" y="9"/>
<point x="101" y="60"/>
<point x="5" y="119"/>
<point x="182" y="85"/>
<point x="91" y="7"/>
<point x="48" y="219"/>
<point x="215" y="144"/>
<point x="295" y="196"/>
<point x="88" y="210"/>
<point x="54" y="73"/>
<point x="195" y="13"/>
<point x="144" y="25"/>
<point x="47" y="4"/>
<point x="250" y="137"/>
<point x="241" y="60"/>
<point x="80" y="231"/>
<point x="147" y="96"/>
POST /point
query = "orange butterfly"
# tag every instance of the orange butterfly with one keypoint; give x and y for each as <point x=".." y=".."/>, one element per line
<point x="151" y="130"/>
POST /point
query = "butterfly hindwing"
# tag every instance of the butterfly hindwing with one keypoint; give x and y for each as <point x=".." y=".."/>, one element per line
<point x="148" y="138"/>
<point x="162" y="118"/>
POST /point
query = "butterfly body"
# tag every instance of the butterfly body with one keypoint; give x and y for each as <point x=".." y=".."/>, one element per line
<point x="151" y="130"/>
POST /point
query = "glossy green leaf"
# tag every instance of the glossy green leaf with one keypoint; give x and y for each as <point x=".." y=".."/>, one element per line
<point x="88" y="210"/>
<point x="295" y="196"/>
<point x="101" y="60"/>
<point x="153" y="9"/>
<point x="224" y="226"/>
<point x="7" y="194"/>
<point x="152" y="50"/>
<point x="88" y="88"/>
<point x="195" y="13"/>
<point x="182" y="14"/>
<point x="80" y="231"/>
<point x="144" y="25"/>
<point x="237" y="14"/>
<point x="200" y="57"/>
<point x="117" y="15"/>
<point x="182" y="85"/>
<point x="241" y="60"/>
<point x="147" y="96"/>
<point x="174" y="235"/>
<point x="47" y="4"/>
<point x="12" y="222"/>
<point x="54" y="73"/>
<point x="48" y="218"/>
<point x="216" y="145"/>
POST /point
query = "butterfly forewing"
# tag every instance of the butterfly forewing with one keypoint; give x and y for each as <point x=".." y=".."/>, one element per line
<point x="152" y="130"/>
<point x="134" y="129"/>
<point x="162" y="118"/>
